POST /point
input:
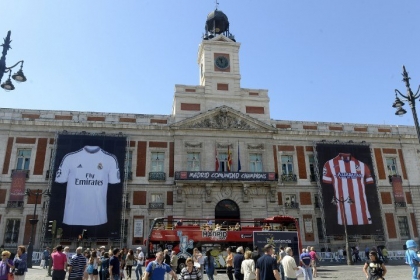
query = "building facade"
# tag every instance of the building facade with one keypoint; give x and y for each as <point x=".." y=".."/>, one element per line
<point x="219" y="147"/>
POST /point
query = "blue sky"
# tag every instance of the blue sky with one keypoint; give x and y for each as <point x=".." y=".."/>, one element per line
<point x="326" y="61"/>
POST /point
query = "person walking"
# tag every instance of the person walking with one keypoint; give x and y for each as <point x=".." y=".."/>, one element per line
<point x="255" y="255"/>
<point x="374" y="268"/>
<point x="209" y="265"/>
<point x="237" y="262"/>
<point x="289" y="265"/>
<point x="190" y="272"/>
<point x="157" y="269"/>
<point x="129" y="262"/>
<point x="248" y="266"/>
<point x="174" y="261"/>
<point x="385" y="254"/>
<point x="314" y="258"/>
<point x="305" y="261"/>
<point x="105" y="266"/>
<point x="167" y="260"/>
<point x="94" y="262"/>
<point x="140" y="263"/>
<point x="197" y="258"/>
<point x="46" y="257"/>
<point x="77" y="265"/>
<point x="267" y="266"/>
<point x="229" y="263"/>
<point x="282" y="254"/>
<point x="5" y="265"/>
<point x="20" y="263"/>
<point x="114" y="265"/>
<point x="59" y="264"/>
<point x="411" y="258"/>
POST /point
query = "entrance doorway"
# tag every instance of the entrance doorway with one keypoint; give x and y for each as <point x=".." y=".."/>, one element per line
<point x="226" y="211"/>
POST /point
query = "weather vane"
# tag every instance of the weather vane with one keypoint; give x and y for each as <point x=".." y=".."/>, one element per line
<point x="217" y="4"/>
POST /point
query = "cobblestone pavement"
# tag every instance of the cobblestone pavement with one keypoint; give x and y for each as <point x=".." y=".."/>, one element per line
<point x="397" y="270"/>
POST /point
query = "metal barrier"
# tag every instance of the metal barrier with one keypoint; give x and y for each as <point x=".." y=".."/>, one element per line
<point x="36" y="257"/>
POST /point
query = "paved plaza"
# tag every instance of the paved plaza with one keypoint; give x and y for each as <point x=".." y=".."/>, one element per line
<point x="397" y="270"/>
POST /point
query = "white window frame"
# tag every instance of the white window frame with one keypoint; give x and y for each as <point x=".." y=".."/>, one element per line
<point x="130" y="160"/>
<point x="15" y="230"/>
<point x="193" y="162"/>
<point x="289" y="198"/>
<point x="223" y="161"/>
<point x="157" y="162"/>
<point x="288" y="164"/>
<point x="391" y="165"/>
<point x="156" y="197"/>
<point x="403" y="226"/>
<point x="24" y="158"/>
<point x="255" y="165"/>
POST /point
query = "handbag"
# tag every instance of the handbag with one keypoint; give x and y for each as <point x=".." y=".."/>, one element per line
<point x="19" y="272"/>
<point x="89" y="269"/>
<point x="42" y="264"/>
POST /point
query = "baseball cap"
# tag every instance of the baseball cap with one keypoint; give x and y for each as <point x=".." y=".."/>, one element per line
<point x="139" y="248"/>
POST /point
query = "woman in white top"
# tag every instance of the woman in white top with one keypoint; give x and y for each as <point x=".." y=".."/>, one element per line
<point x="95" y="262"/>
<point x="198" y="258"/>
<point x="248" y="267"/>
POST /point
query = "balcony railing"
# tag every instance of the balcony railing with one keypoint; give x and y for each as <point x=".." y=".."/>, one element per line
<point x="312" y="177"/>
<point x="20" y="170"/>
<point x="14" y="204"/>
<point x="130" y="175"/>
<point x="288" y="178"/>
<point x="400" y="204"/>
<point x="394" y="176"/>
<point x="157" y="176"/>
<point x="291" y="205"/>
<point x="156" y="205"/>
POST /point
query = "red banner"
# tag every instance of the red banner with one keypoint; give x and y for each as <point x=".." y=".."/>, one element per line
<point x="397" y="188"/>
<point x="17" y="191"/>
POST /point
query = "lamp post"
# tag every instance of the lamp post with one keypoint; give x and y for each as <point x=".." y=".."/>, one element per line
<point x="341" y="202"/>
<point x="33" y="222"/>
<point x="18" y="76"/>
<point x="411" y="98"/>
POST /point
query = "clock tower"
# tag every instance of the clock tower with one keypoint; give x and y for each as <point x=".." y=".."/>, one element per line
<point x="219" y="76"/>
<point x="218" y="55"/>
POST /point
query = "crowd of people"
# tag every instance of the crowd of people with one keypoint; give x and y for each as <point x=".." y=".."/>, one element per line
<point x="93" y="264"/>
<point x="15" y="265"/>
<point x="116" y="264"/>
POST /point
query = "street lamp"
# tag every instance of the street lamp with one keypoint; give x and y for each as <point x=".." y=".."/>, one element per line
<point x="411" y="98"/>
<point x="18" y="76"/>
<point x="33" y="222"/>
<point x="341" y="202"/>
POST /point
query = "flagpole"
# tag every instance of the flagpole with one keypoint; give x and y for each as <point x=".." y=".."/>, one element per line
<point x="239" y="159"/>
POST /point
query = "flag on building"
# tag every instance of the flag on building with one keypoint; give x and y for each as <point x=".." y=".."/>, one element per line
<point x="229" y="160"/>
<point x="217" y="160"/>
<point x="239" y="160"/>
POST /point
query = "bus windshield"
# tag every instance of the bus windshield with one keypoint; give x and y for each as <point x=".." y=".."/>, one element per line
<point x="182" y="235"/>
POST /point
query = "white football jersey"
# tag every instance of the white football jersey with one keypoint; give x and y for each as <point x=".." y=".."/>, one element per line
<point x="87" y="172"/>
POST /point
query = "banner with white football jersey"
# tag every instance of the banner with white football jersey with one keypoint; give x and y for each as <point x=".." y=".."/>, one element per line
<point x="87" y="186"/>
<point x="348" y="189"/>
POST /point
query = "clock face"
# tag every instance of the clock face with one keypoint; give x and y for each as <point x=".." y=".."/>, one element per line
<point x="222" y="62"/>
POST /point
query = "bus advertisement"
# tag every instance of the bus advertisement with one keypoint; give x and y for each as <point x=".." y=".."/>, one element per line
<point x="184" y="234"/>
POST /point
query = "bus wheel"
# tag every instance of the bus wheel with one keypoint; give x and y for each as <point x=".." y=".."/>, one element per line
<point x="181" y="265"/>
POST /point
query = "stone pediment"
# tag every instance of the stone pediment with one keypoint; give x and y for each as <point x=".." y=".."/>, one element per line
<point x="223" y="117"/>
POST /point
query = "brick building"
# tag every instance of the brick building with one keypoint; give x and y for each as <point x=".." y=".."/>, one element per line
<point x="209" y="120"/>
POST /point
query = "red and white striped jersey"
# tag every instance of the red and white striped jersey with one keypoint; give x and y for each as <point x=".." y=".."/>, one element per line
<point x="349" y="177"/>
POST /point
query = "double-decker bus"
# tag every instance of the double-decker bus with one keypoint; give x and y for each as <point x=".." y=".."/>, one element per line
<point x="183" y="234"/>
